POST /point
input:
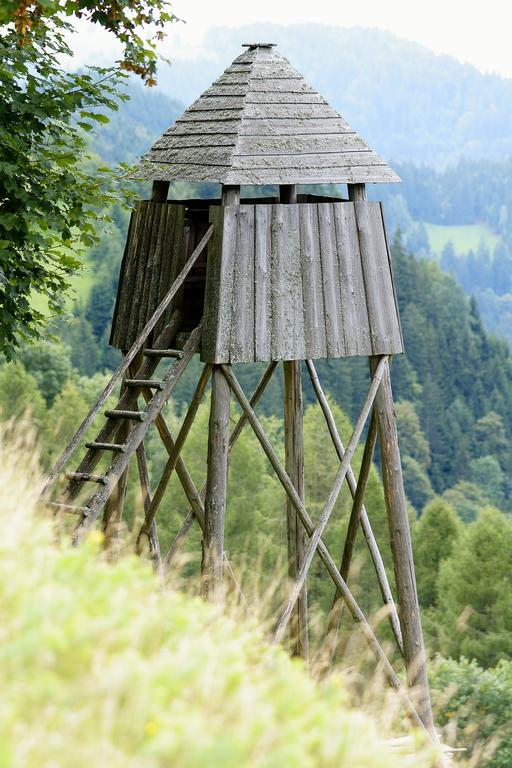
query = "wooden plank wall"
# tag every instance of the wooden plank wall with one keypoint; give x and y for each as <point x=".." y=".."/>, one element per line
<point x="289" y="282"/>
<point x="153" y="257"/>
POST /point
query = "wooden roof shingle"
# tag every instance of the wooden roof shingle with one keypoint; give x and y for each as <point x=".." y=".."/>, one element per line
<point x="261" y="123"/>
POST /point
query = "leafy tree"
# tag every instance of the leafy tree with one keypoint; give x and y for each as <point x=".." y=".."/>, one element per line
<point x="20" y="395"/>
<point x="474" y="586"/>
<point x="413" y="442"/>
<point x="434" y="536"/>
<point x="488" y="475"/>
<point x="50" y="365"/>
<point x="466" y="498"/>
<point x="475" y="709"/>
<point x="417" y="483"/>
<point x="50" y="199"/>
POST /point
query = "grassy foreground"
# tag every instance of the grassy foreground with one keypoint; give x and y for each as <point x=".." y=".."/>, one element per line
<point x="100" y="668"/>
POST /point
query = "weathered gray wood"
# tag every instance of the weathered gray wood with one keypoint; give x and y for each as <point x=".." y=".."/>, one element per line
<point x="324" y="516"/>
<point x="153" y="539"/>
<point x="309" y="289"/>
<point x="312" y="286"/>
<point x="356" y="327"/>
<point x="159" y="191"/>
<point x="294" y="145"/>
<point x="189" y="518"/>
<point x="296" y="534"/>
<point x="262" y="282"/>
<point x="288" y="194"/>
<point x="122" y="311"/>
<point x="120" y="462"/>
<point x="356" y="192"/>
<point x="140" y="273"/>
<point x="382" y="311"/>
<point x="353" y="485"/>
<point x="173" y="458"/>
<point x="353" y="524"/>
<point x="212" y="302"/>
<point x="216" y="488"/>
<point x="263" y="96"/>
<point x="242" y="326"/>
<point x="128" y="399"/>
<point x="334" y="333"/>
<point x="287" y="341"/>
<point x="401" y="547"/>
<point x="323" y="552"/>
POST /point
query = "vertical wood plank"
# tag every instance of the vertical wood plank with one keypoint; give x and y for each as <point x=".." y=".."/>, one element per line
<point x="375" y="301"/>
<point x="212" y="291"/>
<point x="391" y="272"/>
<point x="262" y="277"/>
<point x="389" y="317"/>
<point x="167" y="258"/>
<point x="331" y="286"/>
<point x="242" y="327"/>
<point x="149" y="268"/>
<point x="225" y="282"/>
<point x="287" y="299"/>
<point x="356" y="326"/>
<point x="138" y="285"/>
<point x="312" y="286"/>
<point x="117" y="327"/>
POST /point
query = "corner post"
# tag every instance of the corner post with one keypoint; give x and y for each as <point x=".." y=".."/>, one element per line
<point x="356" y="192"/>
<point x="159" y="191"/>
<point x="401" y="549"/>
<point x="294" y="464"/>
<point x="212" y="565"/>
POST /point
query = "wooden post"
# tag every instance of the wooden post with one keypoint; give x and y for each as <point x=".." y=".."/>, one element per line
<point x="216" y="487"/>
<point x="287" y="193"/>
<point x="217" y="467"/>
<point x="294" y="464"/>
<point x="356" y="192"/>
<point x="159" y="191"/>
<point x="401" y="548"/>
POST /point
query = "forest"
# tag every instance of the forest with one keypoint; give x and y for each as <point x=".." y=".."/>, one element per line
<point x="453" y="393"/>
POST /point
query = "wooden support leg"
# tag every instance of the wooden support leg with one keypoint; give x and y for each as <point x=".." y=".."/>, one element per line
<point x="294" y="463"/>
<point x="216" y="488"/>
<point x="401" y="548"/>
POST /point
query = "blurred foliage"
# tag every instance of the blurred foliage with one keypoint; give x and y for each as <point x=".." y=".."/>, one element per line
<point x="100" y="666"/>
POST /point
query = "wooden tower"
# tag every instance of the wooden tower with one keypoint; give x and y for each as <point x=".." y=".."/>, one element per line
<point x="279" y="279"/>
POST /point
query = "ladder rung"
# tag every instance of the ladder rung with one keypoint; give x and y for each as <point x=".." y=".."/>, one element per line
<point x="71" y="509"/>
<point x="87" y="477"/>
<point x="149" y="383"/>
<point x="164" y="353"/>
<point x="117" y="447"/>
<point x="119" y="414"/>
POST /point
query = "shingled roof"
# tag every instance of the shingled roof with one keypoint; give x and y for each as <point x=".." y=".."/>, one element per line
<point x="261" y="123"/>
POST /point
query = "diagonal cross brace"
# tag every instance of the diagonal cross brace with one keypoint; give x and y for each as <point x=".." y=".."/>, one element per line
<point x="323" y="552"/>
<point x="359" y="513"/>
<point x="331" y="501"/>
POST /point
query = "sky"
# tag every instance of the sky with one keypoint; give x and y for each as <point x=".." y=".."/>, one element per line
<point x="473" y="32"/>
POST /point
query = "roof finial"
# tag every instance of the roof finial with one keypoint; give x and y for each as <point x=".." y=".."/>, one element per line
<point x="251" y="46"/>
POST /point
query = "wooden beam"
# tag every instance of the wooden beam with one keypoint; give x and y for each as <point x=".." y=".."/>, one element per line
<point x="288" y="193"/>
<point x="401" y="546"/>
<point x="173" y="458"/>
<point x="323" y="552"/>
<point x="216" y="488"/>
<point x="331" y="501"/>
<point x="154" y="541"/>
<point x="356" y="192"/>
<point x="123" y="366"/>
<point x="378" y="563"/>
<point x="189" y="488"/>
<point x="159" y="191"/>
<point x="230" y="194"/>
<point x="294" y="464"/>
<point x="189" y="518"/>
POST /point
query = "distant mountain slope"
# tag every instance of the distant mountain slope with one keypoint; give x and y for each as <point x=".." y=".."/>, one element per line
<point x="408" y="102"/>
<point x="136" y="125"/>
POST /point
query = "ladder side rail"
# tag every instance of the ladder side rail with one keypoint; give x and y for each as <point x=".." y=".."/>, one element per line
<point x="123" y="366"/>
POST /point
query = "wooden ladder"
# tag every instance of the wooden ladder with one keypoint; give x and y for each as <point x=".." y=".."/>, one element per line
<point x="125" y="426"/>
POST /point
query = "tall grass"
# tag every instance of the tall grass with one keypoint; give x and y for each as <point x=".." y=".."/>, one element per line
<point x="100" y="667"/>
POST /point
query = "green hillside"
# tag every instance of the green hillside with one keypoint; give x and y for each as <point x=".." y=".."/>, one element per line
<point x="463" y="237"/>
